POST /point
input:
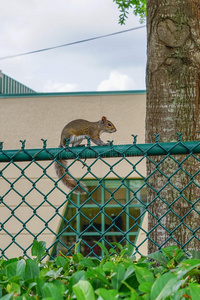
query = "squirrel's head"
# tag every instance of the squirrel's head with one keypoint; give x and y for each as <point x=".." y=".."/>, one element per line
<point x="107" y="126"/>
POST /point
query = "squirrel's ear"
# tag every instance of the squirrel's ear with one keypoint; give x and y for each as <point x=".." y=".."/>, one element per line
<point x="103" y="119"/>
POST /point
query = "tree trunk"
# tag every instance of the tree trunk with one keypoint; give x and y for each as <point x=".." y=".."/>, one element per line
<point x="173" y="97"/>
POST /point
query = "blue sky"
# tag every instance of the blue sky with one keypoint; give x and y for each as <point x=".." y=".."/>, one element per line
<point x="112" y="63"/>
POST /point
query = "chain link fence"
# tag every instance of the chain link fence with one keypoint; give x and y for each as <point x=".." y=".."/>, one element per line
<point x="143" y="194"/>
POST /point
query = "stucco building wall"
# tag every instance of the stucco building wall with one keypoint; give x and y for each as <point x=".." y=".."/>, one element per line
<point x="42" y="116"/>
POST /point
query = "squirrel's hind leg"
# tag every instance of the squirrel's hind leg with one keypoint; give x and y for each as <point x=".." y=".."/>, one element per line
<point x="76" y="140"/>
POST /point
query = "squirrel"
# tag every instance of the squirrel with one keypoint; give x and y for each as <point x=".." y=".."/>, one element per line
<point x="76" y="131"/>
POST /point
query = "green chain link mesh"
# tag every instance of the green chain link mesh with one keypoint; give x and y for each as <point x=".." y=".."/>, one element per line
<point x="24" y="199"/>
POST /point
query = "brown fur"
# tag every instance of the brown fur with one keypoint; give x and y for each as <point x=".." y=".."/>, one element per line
<point x="76" y="131"/>
<point x="67" y="179"/>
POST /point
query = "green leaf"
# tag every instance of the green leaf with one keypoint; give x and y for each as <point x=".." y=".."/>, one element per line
<point x="31" y="285"/>
<point x="143" y="274"/>
<point x="109" y="266"/>
<point x="113" y="251"/>
<point x="51" y="290"/>
<point x="130" y="270"/>
<point x="75" y="279"/>
<point x="159" y="270"/>
<point x="31" y="270"/>
<point x="186" y="266"/>
<point x="103" y="248"/>
<point x="99" y="274"/>
<point x="183" y="291"/>
<point x="174" y="255"/>
<point x="127" y="250"/>
<point x="194" y="290"/>
<point x="61" y="261"/>
<point x="163" y="286"/>
<point x="60" y="285"/>
<point x="5" y="263"/>
<point x="118" y="277"/>
<point x="134" y="296"/>
<point x="159" y="257"/>
<point x="39" y="287"/>
<point x="7" y="297"/>
<point x="145" y="287"/>
<point x="170" y="250"/>
<point x="87" y="262"/>
<point x="77" y="257"/>
<point x="137" y="6"/>
<point x="13" y="288"/>
<point x="16" y="268"/>
<point x="179" y="255"/>
<point x="54" y="273"/>
<point x="38" y="249"/>
<point x="84" y="290"/>
<point x="107" y="294"/>
<point x="118" y="245"/>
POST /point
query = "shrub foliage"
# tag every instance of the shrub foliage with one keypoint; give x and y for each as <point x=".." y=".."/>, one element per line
<point x="168" y="274"/>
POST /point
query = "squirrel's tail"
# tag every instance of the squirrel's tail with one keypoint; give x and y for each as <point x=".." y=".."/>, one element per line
<point x="67" y="179"/>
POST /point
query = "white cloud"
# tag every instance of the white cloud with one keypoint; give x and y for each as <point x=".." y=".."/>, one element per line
<point x="116" y="81"/>
<point x="35" y="24"/>
<point x="59" y="87"/>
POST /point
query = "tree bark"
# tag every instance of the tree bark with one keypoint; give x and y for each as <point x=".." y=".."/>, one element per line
<point x="173" y="104"/>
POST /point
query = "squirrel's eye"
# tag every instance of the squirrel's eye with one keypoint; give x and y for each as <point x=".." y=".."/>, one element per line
<point x="109" y="124"/>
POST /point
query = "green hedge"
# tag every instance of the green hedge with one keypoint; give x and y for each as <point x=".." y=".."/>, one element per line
<point x="169" y="274"/>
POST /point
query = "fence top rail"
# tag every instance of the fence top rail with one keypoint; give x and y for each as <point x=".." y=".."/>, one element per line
<point x="89" y="151"/>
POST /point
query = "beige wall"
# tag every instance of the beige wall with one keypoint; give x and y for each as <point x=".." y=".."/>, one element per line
<point x="43" y="116"/>
<point x="33" y="118"/>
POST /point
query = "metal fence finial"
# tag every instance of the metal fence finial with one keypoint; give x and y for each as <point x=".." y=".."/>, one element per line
<point x="157" y="136"/>
<point x="88" y="142"/>
<point x="134" y="139"/>
<point x="67" y="142"/>
<point x="44" y="143"/>
<point x="111" y="143"/>
<point x="179" y="136"/>
<point x="23" y="144"/>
